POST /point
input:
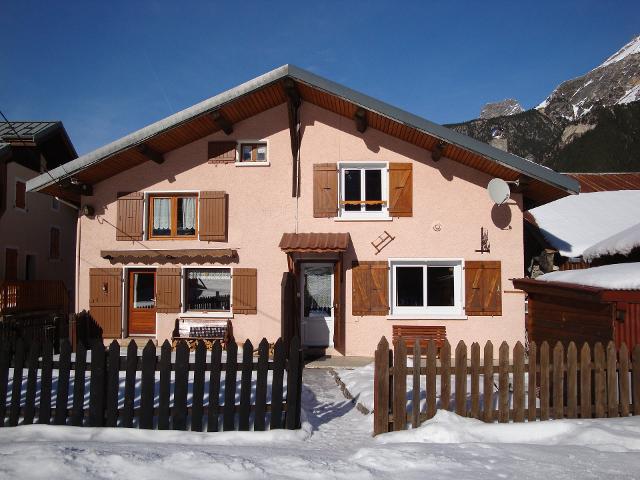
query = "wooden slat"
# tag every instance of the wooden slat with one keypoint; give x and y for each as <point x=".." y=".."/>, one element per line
<point x="415" y="390"/>
<point x="198" y="387"/>
<point x="77" y="417"/>
<point x="179" y="411"/>
<point x="612" y="380"/>
<point x="487" y="389"/>
<point x="431" y="378"/>
<point x="461" y="379"/>
<point x="294" y="384"/>
<point x="214" y="388"/>
<point x="130" y="384"/>
<point x="399" y="385"/>
<point x="445" y="375"/>
<point x="97" y="384"/>
<point x="245" y="386"/>
<point x="532" y="377"/>
<point x="113" y="383"/>
<point x="518" y="383"/>
<point x="503" y="382"/>
<point x="165" y="386"/>
<point x="544" y="381"/>
<point x="475" y="380"/>
<point x="32" y="377"/>
<point x="624" y="379"/>
<point x="558" y="381"/>
<point x="276" y="385"/>
<point x="44" y="413"/>
<point x="600" y="380"/>
<point x="636" y="379"/>
<point x="16" y="390"/>
<point x="572" y="381"/>
<point x="147" y="389"/>
<point x="259" y="421"/>
<point x="5" y="362"/>
<point x="585" y="381"/>
<point x="228" y="420"/>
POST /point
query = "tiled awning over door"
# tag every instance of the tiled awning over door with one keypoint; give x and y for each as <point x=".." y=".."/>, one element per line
<point x="314" y="242"/>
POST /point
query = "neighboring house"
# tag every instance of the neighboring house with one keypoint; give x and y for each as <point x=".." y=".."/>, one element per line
<point x="37" y="231"/>
<point x="291" y="204"/>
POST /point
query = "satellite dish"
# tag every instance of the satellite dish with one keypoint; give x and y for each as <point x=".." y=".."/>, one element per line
<point x="499" y="191"/>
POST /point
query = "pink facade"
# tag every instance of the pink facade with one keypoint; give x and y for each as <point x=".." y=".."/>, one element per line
<point x="450" y="206"/>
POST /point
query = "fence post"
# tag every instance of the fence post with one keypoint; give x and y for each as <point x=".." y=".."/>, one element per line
<point x="518" y="383"/>
<point x="400" y="385"/>
<point x="487" y="387"/>
<point x="600" y="380"/>
<point x="558" y="381"/>
<point x="572" y="381"/>
<point x="585" y="381"/>
<point x="97" y="384"/>
<point x="294" y="384"/>
<point x="612" y="380"/>
<point x="636" y="379"/>
<point x="544" y="381"/>
<point x="431" y="378"/>
<point x="503" y="383"/>
<point x="461" y="379"/>
<point x="624" y="380"/>
<point x="533" y="381"/>
<point x="475" y="380"/>
<point x="445" y="375"/>
<point x="415" y="391"/>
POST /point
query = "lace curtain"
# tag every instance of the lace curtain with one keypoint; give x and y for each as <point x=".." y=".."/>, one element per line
<point x="188" y="213"/>
<point x="161" y="213"/>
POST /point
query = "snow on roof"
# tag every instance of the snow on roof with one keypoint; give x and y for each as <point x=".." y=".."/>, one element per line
<point x="621" y="276"/>
<point x="621" y="243"/>
<point x="574" y="223"/>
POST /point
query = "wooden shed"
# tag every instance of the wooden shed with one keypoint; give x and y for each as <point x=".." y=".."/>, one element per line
<point x="566" y="312"/>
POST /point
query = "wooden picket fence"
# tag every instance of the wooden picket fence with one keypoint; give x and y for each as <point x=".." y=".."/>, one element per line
<point x="560" y="384"/>
<point x="173" y="411"/>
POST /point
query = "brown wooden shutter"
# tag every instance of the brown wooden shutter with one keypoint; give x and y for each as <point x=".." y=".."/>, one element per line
<point x="245" y="291"/>
<point x="213" y="216"/>
<point x="130" y="212"/>
<point x="168" y="283"/>
<point x="325" y="190"/>
<point x="21" y="194"/>
<point x="222" y="152"/>
<point x="370" y="281"/>
<point x="483" y="288"/>
<point x="339" y="326"/>
<point x="11" y="264"/>
<point x="105" y="300"/>
<point x="400" y="189"/>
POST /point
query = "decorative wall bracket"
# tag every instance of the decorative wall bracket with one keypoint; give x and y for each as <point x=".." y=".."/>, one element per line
<point x="382" y="241"/>
<point x="485" y="246"/>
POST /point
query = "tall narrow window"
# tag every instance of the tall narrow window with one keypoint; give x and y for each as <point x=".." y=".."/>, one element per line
<point x="363" y="190"/>
<point x="54" y="243"/>
<point x="173" y="216"/>
<point x="21" y="195"/>
<point x="208" y="289"/>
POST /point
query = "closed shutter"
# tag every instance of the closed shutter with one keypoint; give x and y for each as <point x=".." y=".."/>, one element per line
<point x="370" y="288"/>
<point x="325" y="190"/>
<point x="245" y="291"/>
<point x="213" y="216"/>
<point x="11" y="264"/>
<point x="130" y="212"/>
<point x="400" y="189"/>
<point x="222" y="152"/>
<point x="483" y="288"/>
<point x="105" y="300"/>
<point x="168" y="283"/>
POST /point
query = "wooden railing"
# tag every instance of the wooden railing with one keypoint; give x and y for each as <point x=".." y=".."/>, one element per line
<point x="543" y="384"/>
<point x="34" y="295"/>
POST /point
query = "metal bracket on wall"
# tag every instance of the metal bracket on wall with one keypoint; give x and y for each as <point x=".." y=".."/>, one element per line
<point x="485" y="246"/>
<point x="382" y="241"/>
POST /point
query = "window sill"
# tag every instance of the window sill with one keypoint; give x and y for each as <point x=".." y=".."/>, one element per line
<point x="206" y="314"/>
<point x="363" y="219"/>
<point x="252" y="164"/>
<point x="430" y="316"/>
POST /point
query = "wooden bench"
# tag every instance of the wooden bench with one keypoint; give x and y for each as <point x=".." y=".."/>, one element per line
<point x="437" y="333"/>
<point x="192" y="330"/>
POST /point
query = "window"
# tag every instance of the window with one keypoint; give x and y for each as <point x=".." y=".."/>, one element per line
<point x="426" y="286"/>
<point x="30" y="267"/>
<point x="21" y="195"/>
<point x="54" y="243"/>
<point x="253" y="152"/>
<point x="208" y="290"/>
<point x="363" y="190"/>
<point x="172" y="216"/>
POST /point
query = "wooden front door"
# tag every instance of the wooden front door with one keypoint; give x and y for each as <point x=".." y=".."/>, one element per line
<point x="142" y="302"/>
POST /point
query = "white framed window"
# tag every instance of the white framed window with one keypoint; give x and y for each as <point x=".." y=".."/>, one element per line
<point x="364" y="190"/>
<point x="207" y="291"/>
<point x="252" y="153"/>
<point x="426" y="286"/>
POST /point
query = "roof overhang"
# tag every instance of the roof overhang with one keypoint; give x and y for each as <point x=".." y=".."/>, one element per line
<point x="314" y="242"/>
<point x="193" y="255"/>
<point x="268" y="91"/>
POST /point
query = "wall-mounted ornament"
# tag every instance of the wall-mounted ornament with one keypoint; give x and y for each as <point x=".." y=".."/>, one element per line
<point x="382" y="241"/>
<point x="485" y="246"/>
<point x="437" y="227"/>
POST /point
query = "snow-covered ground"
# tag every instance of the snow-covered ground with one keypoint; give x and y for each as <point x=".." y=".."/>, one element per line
<point x="336" y="442"/>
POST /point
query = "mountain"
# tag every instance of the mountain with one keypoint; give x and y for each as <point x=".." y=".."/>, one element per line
<point x="587" y="124"/>
<point x="503" y="108"/>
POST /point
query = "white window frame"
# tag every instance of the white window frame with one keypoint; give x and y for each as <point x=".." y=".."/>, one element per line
<point x="383" y="214"/>
<point x="200" y="313"/>
<point x="240" y="163"/>
<point x="455" y="311"/>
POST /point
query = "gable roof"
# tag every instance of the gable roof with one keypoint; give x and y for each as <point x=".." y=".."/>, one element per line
<point x="267" y="91"/>
<point x="36" y="132"/>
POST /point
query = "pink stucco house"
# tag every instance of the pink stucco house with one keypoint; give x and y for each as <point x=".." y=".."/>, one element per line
<point x="294" y="205"/>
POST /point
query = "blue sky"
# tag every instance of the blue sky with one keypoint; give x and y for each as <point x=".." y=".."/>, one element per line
<point x="108" y="68"/>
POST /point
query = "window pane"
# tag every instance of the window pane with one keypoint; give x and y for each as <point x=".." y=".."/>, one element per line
<point x="187" y="216"/>
<point x="352" y="190"/>
<point x="209" y="289"/>
<point x="246" y="153"/>
<point x="144" y="290"/>
<point x="409" y="287"/>
<point x="317" y="291"/>
<point x="373" y="189"/>
<point x="440" y="286"/>
<point x="161" y="216"/>
<point x="262" y="153"/>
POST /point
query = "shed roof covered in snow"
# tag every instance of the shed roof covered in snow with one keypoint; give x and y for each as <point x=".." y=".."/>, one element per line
<point x="621" y="276"/>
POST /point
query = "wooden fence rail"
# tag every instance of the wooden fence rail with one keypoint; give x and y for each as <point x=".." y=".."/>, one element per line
<point x="536" y="385"/>
<point x="112" y="396"/>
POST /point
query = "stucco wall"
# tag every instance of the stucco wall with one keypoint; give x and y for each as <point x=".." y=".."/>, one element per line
<point x="261" y="209"/>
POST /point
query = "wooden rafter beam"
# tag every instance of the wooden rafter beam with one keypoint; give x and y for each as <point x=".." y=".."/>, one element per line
<point x="222" y="122"/>
<point x="76" y="187"/>
<point x="294" y="100"/>
<point x="436" y="153"/>
<point x="150" y="153"/>
<point x="361" y="120"/>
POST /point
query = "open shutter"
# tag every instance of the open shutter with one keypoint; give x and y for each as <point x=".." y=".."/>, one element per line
<point x="370" y="282"/>
<point x="168" y="290"/>
<point x="339" y="327"/>
<point x="245" y="291"/>
<point x="130" y="212"/>
<point x="105" y="300"/>
<point x="222" y="152"/>
<point x="400" y="189"/>
<point x="325" y="190"/>
<point x="213" y="216"/>
<point x="483" y="288"/>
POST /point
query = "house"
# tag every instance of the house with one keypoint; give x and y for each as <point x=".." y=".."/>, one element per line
<point x="294" y="205"/>
<point x="37" y="231"/>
